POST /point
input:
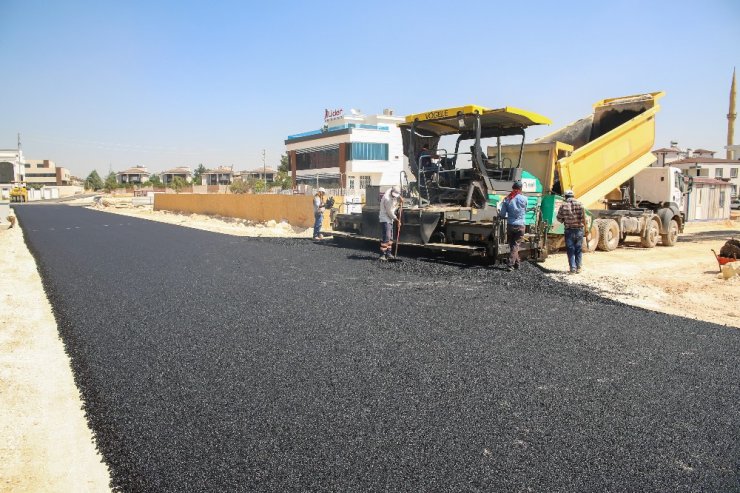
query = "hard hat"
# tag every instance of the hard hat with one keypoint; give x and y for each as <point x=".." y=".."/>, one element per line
<point x="395" y="190"/>
<point x="321" y="190"/>
<point x="517" y="185"/>
<point x="569" y="193"/>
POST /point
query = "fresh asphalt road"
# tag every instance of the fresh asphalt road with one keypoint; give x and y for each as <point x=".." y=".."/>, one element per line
<point x="216" y="363"/>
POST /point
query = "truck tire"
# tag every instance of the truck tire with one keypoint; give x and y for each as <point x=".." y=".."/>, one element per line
<point x="671" y="237"/>
<point x="650" y="238"/>
<point x="590" y="246"/>
<point x="608" y="235"/>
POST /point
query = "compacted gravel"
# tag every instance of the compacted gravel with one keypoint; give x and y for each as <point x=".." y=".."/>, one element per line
<point x="215" y="363"/>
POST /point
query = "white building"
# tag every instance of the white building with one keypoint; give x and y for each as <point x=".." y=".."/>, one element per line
<point x="351" y="151"/>
<point x="45" y="172"/>
<point x="701" y="163"/>
<point x="12" y="170"/>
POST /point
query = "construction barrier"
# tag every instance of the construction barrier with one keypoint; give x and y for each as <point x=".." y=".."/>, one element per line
<point x="297" y="210"/>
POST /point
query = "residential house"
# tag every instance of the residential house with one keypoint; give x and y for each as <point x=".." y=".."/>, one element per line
<point x="218" y="176"/>
<point x="183" y="172"/>
<point x="262" y="173"/>
<point x="136" y="175"/>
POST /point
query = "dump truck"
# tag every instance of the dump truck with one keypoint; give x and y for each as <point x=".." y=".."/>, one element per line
<point x="451" y="204"/>
<point x="605" y="159"/>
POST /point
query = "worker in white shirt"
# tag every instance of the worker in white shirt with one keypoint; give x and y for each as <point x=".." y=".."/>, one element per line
<point x="389" y="205"/>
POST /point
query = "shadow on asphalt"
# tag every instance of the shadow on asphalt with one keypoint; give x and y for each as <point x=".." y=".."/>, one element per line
<point x="452" y="259"/>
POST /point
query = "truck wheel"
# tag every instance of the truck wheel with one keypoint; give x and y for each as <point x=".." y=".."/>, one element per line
<point x="651" y="235"/>
<point x="608" y="235"/>
<point x="672" y="236"/>
<point x="590" y="245"/>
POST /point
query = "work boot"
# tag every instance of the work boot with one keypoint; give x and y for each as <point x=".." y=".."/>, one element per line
<point x="516" y="266"/>
<point x="572" y="271"/>
<point x="578" y="270"/>
<point x="383" y="257"/>
<point x="389" y="256"/>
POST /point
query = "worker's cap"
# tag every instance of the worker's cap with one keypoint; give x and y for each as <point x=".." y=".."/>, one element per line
<point x="395" y="190"/>
<point x="321" y="190"/>
<point x="569" y="193"/>
<point x="517" y="185"/>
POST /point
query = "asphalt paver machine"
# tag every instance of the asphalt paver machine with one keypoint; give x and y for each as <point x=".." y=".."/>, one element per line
<point x="451" y="202"/>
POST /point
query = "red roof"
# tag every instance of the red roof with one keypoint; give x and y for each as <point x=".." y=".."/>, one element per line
<point x="705" y="160"/>
<point x="710" y="181"/>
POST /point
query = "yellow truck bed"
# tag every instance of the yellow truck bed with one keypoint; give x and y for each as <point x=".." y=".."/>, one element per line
<point x="596" y="154"/>
<point x="610" y="150"/>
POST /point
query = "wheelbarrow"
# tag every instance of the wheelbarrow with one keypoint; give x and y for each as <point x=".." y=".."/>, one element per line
<point x="723" y="260"/>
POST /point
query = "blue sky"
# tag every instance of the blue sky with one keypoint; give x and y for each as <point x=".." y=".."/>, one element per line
<point x="162" y="84"/>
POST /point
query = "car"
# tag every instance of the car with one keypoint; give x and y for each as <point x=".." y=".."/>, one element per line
<point x="735" y="204"/>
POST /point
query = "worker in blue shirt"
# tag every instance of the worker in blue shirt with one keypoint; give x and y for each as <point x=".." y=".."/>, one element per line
<point x="513" y="208"/>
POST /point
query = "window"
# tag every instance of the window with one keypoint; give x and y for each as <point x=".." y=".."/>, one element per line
<point x="733" y="172"/>
<point x="366" y="151"/>
<point x="317" y="157"/>
<point x="722" y="198"/>
<point x="718" y="173"/>
<point x="364" y="182"/>
<point x="351" y="182"/>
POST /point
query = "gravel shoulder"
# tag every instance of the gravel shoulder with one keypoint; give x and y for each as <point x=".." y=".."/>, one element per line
<point x="46" y="444"/>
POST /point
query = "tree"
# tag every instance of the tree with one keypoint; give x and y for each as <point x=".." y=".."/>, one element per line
<point x="259" y="186"/>
<point x="284" y="164"/>
<point x="198" y="174"/>
<point x="154" y="180"/>
<point x="177" y="184"/>
<point x="283" y="180"/>
<point x="240" y="186"/>
<point x="110" y="183"/>
<point x="93" y="181"/>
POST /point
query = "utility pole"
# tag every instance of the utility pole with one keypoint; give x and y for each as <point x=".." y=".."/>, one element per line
<point x="264" y="172"/>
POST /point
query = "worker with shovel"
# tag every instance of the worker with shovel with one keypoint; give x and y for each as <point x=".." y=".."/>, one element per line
<point x="389" y="205"/>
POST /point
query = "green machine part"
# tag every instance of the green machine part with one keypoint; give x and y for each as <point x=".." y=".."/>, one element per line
<point x="550" y="206"/>
<point x="532" y="189"/>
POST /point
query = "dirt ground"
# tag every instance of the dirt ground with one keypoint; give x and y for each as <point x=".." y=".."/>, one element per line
<point x="45" y="442"/>
<point x="680" y="280"/>
<point x="218" y="224"/>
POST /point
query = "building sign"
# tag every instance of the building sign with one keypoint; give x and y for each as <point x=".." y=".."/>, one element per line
<point x="330" y="115"/>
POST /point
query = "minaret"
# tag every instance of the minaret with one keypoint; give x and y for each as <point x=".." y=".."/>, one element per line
<point x="731" y="117"/>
